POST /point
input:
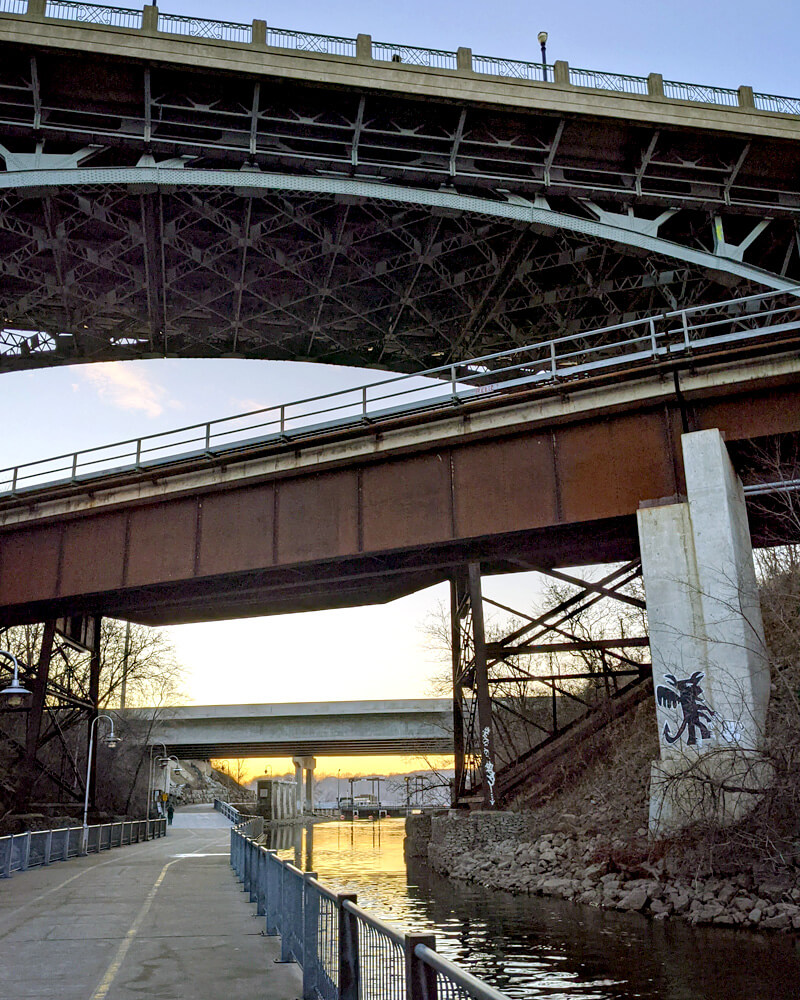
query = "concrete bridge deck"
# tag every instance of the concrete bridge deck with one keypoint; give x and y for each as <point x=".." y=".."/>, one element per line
<point x="318" y="729"/>
<point x="164" y="919"/>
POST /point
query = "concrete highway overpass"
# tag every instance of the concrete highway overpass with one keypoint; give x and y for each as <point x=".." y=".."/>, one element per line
<point x="306" y="729"/>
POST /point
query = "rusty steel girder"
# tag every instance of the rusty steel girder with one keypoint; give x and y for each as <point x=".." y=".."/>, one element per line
<point x="380" y="513"/>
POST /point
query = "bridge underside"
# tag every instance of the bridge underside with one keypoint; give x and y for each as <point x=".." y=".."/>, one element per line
<point x="315" y="748"/>
<point x="147" y="211"/>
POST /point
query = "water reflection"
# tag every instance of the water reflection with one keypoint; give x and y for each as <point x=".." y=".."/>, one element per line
<point x="532" y="947"/>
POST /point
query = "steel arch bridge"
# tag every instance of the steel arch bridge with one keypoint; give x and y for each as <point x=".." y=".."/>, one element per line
<point x="345" y="209"/>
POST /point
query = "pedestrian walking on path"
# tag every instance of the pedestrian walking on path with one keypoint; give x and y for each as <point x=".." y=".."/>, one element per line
<point x="170" y="813"/>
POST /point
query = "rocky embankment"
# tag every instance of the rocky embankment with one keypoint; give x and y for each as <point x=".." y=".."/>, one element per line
<point x="580" y="869"/>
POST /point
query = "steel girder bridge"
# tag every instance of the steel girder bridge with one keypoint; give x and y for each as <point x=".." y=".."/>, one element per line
<point x="290" y="202"/>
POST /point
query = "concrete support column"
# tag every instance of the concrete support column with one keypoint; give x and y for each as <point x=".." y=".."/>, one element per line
<point x="298" y="784"/>
<point x="304" y="767"/>
<point x="464" y="59"/>
<point x="561" y="71"/>
<point x="258" y="34"/>
<point x="364" y="48"/>
<point x="150" y="19"/>
<point x="310" y="785"/>
<point x="746" y="97"/>
<point x="707" y="643"/>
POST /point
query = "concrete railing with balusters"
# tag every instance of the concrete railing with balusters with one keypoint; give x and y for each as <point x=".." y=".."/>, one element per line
<point x="152" y="21"/>
<point x="21" y="851"/>
<point x="345" y="953"/>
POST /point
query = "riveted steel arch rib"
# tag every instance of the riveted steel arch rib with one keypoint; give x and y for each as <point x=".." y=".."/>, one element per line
<point x="238" y="182"/>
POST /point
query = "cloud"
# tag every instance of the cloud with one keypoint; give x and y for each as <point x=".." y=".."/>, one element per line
<point x="248" y="405"/>
<point x="125" y="387"/>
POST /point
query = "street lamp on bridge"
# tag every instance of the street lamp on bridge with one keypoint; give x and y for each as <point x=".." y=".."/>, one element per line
<point x="15" y="694"/>
<point x="542" y="36"/>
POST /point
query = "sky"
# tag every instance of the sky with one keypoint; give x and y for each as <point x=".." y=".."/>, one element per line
<point x="377" y="652"/>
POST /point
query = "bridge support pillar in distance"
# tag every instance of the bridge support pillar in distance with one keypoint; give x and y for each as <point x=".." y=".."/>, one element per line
<point x="710" y="669"/>
<point x="304" y="768"/>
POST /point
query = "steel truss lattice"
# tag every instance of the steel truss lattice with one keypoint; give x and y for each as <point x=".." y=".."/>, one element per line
<point x="513" y="694"/>
<point x="180" y="214"/>
<point x="40" y="739"/>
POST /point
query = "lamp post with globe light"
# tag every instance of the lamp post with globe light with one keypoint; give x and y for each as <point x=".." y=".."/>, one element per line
<point x="150" y="773"/>
<point x="542" y="36"/>
<point x="110" y="740"/>
<point x="15" y="694"/>
<point x="169" y="764"/>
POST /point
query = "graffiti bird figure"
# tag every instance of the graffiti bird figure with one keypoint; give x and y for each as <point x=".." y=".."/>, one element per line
<point x="689" y="695"/>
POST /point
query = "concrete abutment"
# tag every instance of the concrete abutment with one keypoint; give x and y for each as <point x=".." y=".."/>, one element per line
<point x="710" y="670"/>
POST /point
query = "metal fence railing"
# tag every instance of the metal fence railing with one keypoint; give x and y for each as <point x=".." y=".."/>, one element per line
<point x="20" y="851"/>
<point x="345" y="953"/>
<point x="570" y="358"/>
<point x="200" y="27"/>
<point x="306" y="41"/>
<point x="783" y="105"/>
<point x="516" y="69"/>
<point x="228" y="31"/>
<point x="702" y="93"/>
<point x="620" y="82"/>
<point x="228" y="811"/>
<point x="414" y="56"/>
<point x="92" y="13"/>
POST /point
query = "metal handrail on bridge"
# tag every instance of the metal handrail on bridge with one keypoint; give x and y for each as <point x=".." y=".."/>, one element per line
<point x="567" y="359"/>
<point x="303" y="41"/>
<point x="345" y="952"/>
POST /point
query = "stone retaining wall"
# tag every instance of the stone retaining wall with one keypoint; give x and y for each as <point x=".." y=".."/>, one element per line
<point x="497" y="850"/>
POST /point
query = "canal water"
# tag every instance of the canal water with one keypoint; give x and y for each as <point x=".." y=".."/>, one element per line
<point x="534" y="947"/>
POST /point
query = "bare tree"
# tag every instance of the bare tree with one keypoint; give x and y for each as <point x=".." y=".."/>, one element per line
<point x="144" y="657"/>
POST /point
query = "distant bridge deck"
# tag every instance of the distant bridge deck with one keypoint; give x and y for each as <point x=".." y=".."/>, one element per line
<point x="319" y="729"/>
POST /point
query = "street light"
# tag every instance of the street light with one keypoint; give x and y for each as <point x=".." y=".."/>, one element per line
<point x="150" y="774"/>
<point x="542" y="36"/>
<point x="15" y="694"/>
<point x="164" y="764"/>
<point x="110" y="740"/>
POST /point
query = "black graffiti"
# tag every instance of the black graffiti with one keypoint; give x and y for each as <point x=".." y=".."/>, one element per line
<point x="689" y="695"/>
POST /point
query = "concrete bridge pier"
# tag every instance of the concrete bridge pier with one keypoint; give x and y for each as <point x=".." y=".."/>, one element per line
<point x="710" y="668"/>
<point x="304" y="768"/>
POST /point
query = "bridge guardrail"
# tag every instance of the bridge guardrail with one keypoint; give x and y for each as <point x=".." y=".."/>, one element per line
<point x="302" y="41"/>
<point x="570" y="358"/>
<point x="20" y="851"/>
<point x="69" y="10"/>
<point x="345" y="952"/>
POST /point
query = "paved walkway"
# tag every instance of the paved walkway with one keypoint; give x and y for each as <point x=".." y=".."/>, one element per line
<point x="164" y="920"/>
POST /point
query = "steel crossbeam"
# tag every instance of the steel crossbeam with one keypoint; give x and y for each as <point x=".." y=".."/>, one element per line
<point x="523" y="657"/>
